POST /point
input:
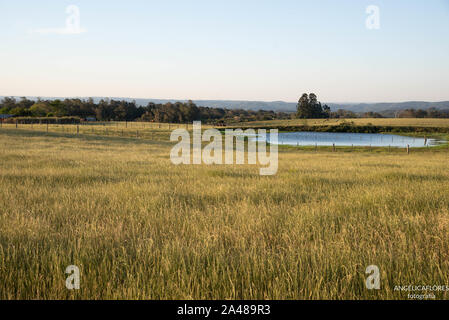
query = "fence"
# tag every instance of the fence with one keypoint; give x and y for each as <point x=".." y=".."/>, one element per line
<point x="148" y="131"/>
<point x="137" y="130"/>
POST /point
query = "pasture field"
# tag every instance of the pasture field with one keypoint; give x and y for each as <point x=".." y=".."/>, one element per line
<point x="399" y="122"/>
<point x="140" y="227"/>
<point x="141" y="130"/>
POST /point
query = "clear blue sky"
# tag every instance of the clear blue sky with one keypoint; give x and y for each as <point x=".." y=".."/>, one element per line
<point x="239" y="50"/>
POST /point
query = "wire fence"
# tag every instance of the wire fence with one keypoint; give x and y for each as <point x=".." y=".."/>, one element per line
<point x="161" y="132"/>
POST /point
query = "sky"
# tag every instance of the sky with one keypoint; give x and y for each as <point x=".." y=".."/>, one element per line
<point x="264" y="50"/>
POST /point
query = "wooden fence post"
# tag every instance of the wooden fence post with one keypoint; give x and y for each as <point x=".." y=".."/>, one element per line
<point x="16" y="124"/>
<point x="408" y="149"/>
<point x="333" y="147"/>
<point x="77" y="129"/>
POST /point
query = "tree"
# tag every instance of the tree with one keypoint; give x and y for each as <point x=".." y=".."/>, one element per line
<point x="327" y="111"/>
<point x="303" y="106"/>
<point x="310" y="108"/>
<point x="40" y="109"/>
<point x="372" y="114"/>
<point x="8" y="104"/>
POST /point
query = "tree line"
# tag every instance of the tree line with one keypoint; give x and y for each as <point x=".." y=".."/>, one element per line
<point x="428" y="113"/>
<point x="309" y="107"/>
<point x="115" y="110"/>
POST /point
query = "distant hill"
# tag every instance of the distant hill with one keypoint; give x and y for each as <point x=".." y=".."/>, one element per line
<point x="285" y="106"/>
<point x="227" y="104"/>
<point x="385" y="106"/>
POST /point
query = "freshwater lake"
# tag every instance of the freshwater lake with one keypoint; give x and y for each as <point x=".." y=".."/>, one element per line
<point x="349" y="139"/>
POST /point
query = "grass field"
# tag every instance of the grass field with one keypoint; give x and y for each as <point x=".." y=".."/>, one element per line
<point x="142" y="130"/>
<point x="404" y="122"/>
<point x="140" y="227"/>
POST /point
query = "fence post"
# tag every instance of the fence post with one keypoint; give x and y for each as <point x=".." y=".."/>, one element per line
<point x="333" y="147"/>
<point x="16" y="124"/>
<point x="77" y="129"/>
<point x="408" y="149"/>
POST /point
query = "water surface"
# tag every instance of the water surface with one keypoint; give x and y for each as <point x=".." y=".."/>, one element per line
<point x="350" y="139"/>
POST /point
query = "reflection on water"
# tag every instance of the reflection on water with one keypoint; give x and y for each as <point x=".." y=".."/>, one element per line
<point x="350" y="139"/>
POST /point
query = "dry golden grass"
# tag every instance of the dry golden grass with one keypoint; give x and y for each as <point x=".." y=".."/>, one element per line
<point x="405" y="122"/>
<point x="143" y="130"/>
<point x="141" y="228"/>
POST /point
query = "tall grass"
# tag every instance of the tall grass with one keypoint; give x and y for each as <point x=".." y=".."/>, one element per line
<point x="141" y="228"/>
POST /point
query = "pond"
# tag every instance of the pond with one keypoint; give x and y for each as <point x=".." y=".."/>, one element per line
<point x="350" y="139"/>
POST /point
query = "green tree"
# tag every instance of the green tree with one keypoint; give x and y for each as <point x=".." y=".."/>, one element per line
<point x="303" y="111"/>
<point x="40" y="109"/>
<point x="310" y="108"/>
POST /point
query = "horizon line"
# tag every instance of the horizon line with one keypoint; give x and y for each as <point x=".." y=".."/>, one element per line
<point x="232" y="100"/>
